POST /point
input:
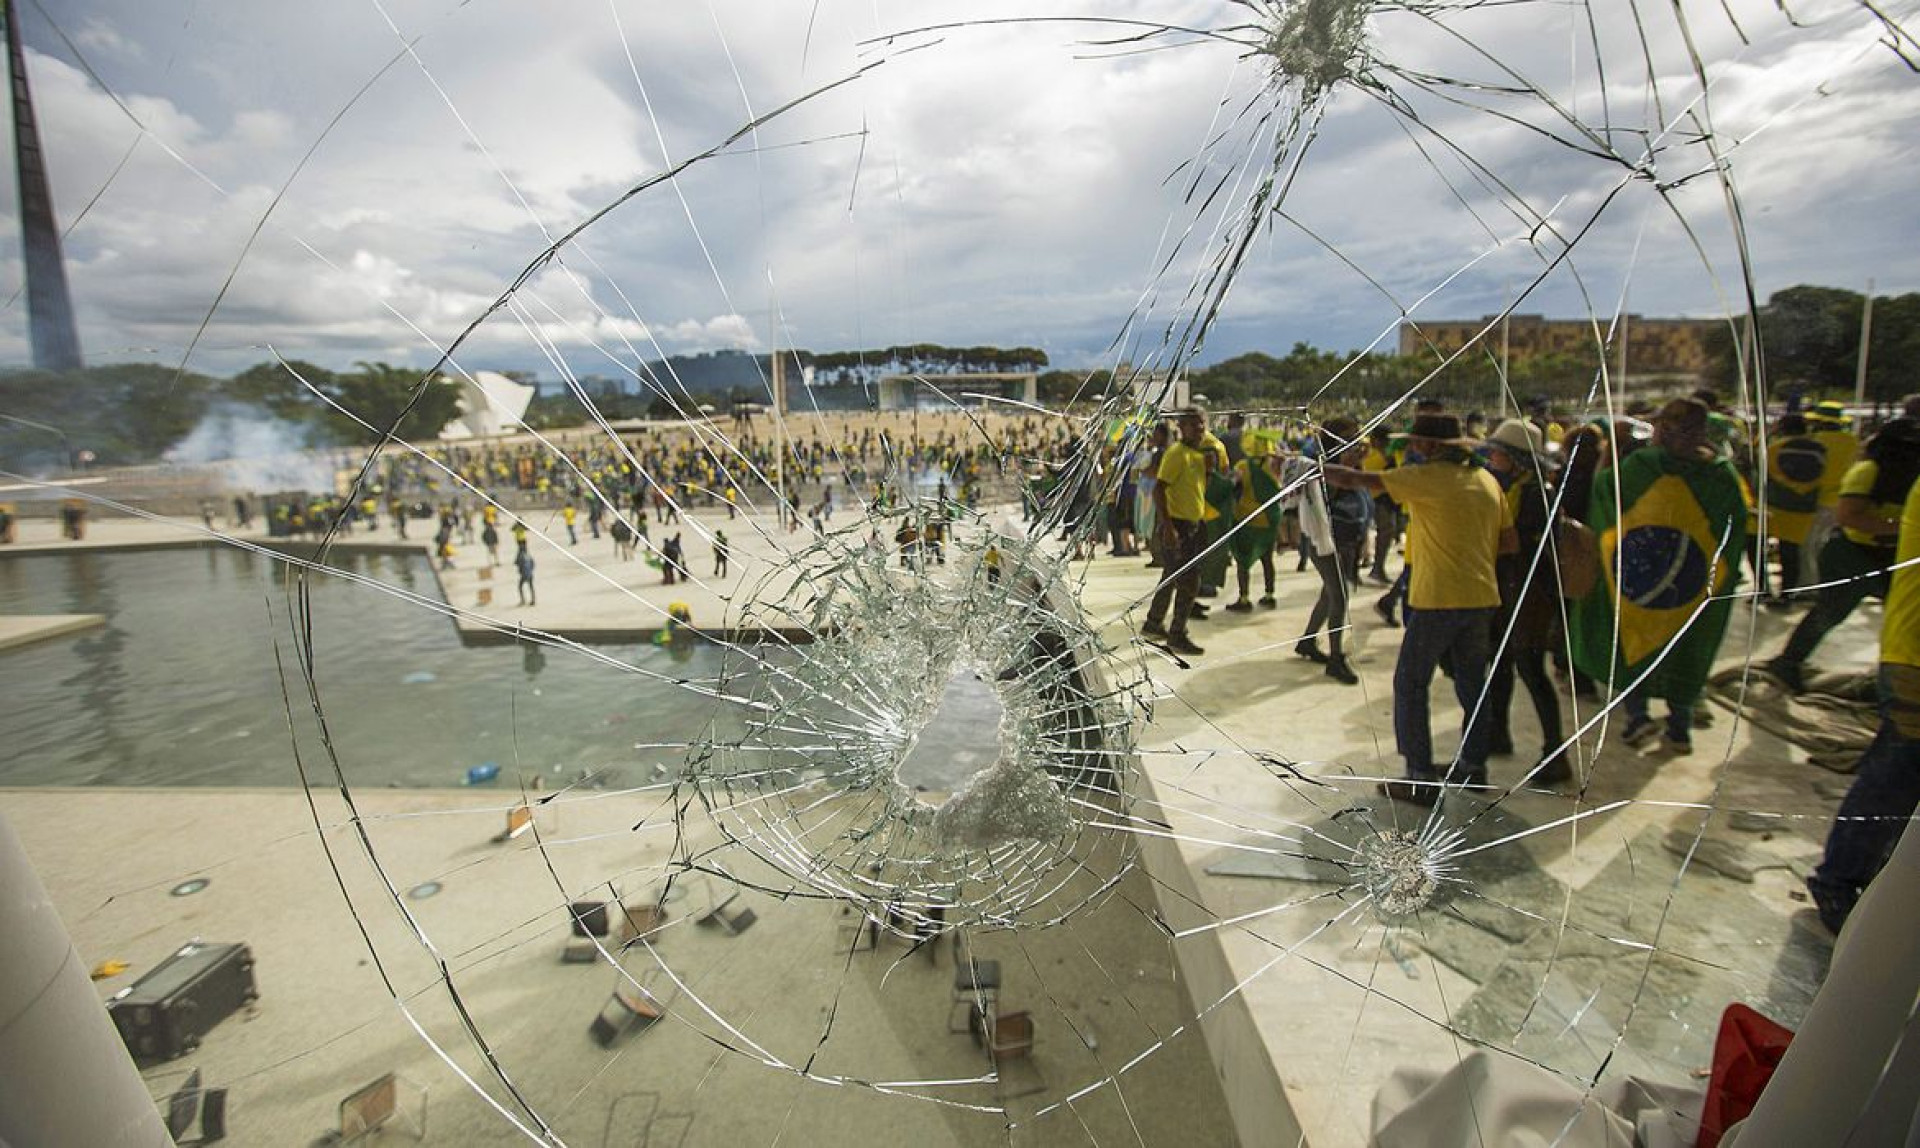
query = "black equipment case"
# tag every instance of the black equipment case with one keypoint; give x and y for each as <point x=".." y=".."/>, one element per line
<point x="165" y="1013"/>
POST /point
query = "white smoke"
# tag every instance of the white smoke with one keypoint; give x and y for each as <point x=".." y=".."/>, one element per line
<point x="250" y="450"/>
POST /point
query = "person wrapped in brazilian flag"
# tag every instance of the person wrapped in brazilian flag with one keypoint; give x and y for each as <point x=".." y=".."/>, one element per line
<point x="1671" y="520"/>
<point x="1256" y="517"/>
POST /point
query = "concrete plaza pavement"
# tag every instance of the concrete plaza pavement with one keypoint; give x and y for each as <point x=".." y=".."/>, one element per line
<point x="1591" y="941"/>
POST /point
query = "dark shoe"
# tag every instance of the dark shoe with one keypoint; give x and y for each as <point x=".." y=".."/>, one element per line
<point x="1788" y="674"/>
<point x="1641" y="733"/>
<point x="1384" y="608"/>
<point x="1834" y="906"/>
<point x="1267" y="602"/>
<point x="1306" y="648"/>
<point x="1676" y="747"/>
<point x="1180" y="644"/>
<point x="1554" y="772"/>
<point x="1421" y="793"/>
<point x="1777" y="602"/>
<point x="1241" y="607"/>
<point x="1198" y="611"/>
<point x="1339" y="671"/>
<point x="1209" y="592"/>
<point x="1380" y="576"/>
<point x="1153" y="629"/>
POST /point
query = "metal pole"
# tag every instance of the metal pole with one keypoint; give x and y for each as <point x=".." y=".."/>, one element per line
<point x="780" y="430"/>
<point x="68" y="1078"/>
<point x="1624" y="317"/>
<point x="1866" y="329"/>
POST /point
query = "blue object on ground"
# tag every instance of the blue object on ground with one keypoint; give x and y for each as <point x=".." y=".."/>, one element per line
<point x="484" y="772"/>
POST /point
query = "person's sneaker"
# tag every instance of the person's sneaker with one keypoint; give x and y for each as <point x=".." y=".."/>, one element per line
<point x="1241" y="607"/>
<point x="1380" y="577"/>
<point x="1384" y="608"/>
<point x="1676" y="747"/>
<point x="1340" y="671"/>
<point x="1306" y="648"/>
<point x="1777" y="602"/>
<point x="1267" y="601"/>
<point x="1421" y="793"/>
<point x="1786" y="673"/>
<point x="1153" y="629"/>
<point x="1703" y="716"/>
<point x="1180" y="644"/>
<point x="1834" y="907"/>
<point x="1641" y="733"/>
<point x="1554" y="772"/>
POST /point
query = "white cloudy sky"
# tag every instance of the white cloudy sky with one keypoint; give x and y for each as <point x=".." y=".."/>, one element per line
<point x="1013" y="184"/>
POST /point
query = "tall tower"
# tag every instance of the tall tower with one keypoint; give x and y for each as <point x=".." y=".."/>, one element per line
<point x="56" y="343"/>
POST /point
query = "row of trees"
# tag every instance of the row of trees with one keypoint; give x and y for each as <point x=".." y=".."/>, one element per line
<point x="127" y="413"/>
<point x="136" y="412"/>
<point x="1810" y="338"/>
<point x="1809" y="343"/>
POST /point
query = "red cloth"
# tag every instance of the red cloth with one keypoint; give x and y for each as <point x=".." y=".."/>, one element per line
<point x="1745" y="1054"/>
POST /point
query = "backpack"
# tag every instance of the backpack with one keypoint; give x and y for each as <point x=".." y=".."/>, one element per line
<point x="1577" y="551"/>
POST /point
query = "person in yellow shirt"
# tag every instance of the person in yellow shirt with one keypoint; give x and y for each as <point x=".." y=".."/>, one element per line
<point x="1886" y="783"/>
<point x="1853" y="563"/>
<point x="1179" y="498"/>
<point x="1459" y="525"/>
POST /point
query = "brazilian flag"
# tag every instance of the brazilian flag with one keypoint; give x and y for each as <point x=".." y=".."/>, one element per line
<point x="1795" y="468"/>
<point x="1672" y="542"/>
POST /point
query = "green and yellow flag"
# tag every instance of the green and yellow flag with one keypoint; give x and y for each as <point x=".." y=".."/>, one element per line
<point x="1796" y="469"/>
<point x="1670" y="549"/>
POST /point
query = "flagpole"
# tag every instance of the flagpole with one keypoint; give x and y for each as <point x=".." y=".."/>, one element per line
<point x="1866" y="329"/>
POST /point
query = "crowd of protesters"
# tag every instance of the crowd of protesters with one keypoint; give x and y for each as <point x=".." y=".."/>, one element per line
<point x="1608" y="554"/>
<point x="1598" y="558"/>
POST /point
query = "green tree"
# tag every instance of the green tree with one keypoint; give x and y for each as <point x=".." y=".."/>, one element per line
<point x="1811" y="335"/>
<point x="1893" y="350"/>
<point x="122" y="412"/>
<point x="397" y="400"/>
<point x="276" y="388"/>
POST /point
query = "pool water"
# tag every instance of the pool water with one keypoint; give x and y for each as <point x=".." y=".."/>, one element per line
<point x="180" y="687"/>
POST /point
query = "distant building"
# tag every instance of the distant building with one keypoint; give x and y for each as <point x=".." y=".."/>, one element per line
<point x="490" y="404"/>
<point x="1654" y="346"/>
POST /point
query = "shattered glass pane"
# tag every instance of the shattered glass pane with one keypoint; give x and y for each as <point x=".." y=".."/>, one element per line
<point x="904" y="827"/>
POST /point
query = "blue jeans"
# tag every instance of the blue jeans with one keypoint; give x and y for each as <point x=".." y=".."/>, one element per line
<point x="1462" y="639"/>
<point x="1885" y="791"/>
